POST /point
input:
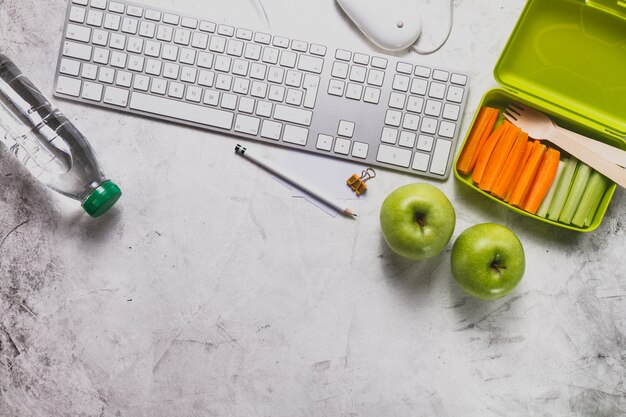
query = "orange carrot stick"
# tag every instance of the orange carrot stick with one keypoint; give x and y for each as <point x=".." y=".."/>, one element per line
<point x="530" y="145"/>
<point x="487" y="150"/>
<point x="543" y="180"/>
<point x="482" y="128"/>
<point x="512" y="166"/>
<point x="528" y="175"/>
<point x="498" y="158"/>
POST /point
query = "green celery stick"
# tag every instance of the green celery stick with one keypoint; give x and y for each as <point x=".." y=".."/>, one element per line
<point x="600" y="197"/>
<point x="576" y="193"/>
<point x="545" y="204"/>
<point x="499" y="120"/>
<point x="593" y="193"/>
<point x="562" y="189"/>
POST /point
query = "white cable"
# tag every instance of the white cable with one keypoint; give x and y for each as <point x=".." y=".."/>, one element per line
<point x="419" y="51"/>
<point x="259" y="5"/>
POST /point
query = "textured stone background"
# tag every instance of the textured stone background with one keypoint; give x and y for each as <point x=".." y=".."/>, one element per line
<point x="210" y="292"/>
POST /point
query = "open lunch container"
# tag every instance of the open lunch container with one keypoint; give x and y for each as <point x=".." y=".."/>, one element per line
<point x="566" y="59"/>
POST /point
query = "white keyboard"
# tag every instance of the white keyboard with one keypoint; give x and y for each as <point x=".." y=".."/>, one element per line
<point x="377" y="110"/>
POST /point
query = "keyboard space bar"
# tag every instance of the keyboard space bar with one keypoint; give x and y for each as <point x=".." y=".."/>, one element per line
<point x="183" y="111"/>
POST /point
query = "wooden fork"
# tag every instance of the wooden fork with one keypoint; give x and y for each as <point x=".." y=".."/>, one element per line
<point x="604" y="159"/>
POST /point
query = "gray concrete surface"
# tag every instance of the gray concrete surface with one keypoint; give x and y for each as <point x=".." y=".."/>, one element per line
<point x="210" y="292"/>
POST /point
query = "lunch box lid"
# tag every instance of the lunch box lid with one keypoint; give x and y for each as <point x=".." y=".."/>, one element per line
<point x="570" y="55"/>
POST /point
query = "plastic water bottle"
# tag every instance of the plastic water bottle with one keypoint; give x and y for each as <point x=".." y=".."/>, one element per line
<point x="49" y="145"/>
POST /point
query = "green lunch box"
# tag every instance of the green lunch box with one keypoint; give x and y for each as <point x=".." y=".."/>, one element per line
<point x="567" y="59"/>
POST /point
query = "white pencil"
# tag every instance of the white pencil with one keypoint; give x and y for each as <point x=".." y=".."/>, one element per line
<point x="297" y="182"/>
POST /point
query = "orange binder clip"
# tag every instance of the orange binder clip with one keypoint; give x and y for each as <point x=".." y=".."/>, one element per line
<point x="358" y="183"/>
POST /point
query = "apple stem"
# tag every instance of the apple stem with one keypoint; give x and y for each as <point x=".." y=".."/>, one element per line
<point x="497" y="267"/>
<point x="419" y="218"/>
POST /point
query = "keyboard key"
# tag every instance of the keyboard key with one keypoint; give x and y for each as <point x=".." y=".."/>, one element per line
<point x="407" y="139"/>
<point x="229" y="101"/>
<point x="264" y="108"/>
<point x="292" y="115"/>
<point x="94" y="18"/>
<point x="404" y="68"/>
<point x="354" y="91"/>
<point x="78" y="33"/>
<point x="189" y="22"/>
<point x="244" y="34"/>
<point x="411" y="122"/>
<point x="276" y="93"/>
<point x="259" y="89"/>
<point x="106" y="75"/>
<point x="433" y="108"/>
<point x="451" y="111"/>
<point x="217" y="44"/>
<point x="211" y="97"/>
<point x="310" y="63"/>
<point x="89" y="71"/>
<point x="336" y="88"/>
<point x="458" y="79"/>
<point x="171" y="19"/>
<point x="440" y="157"/>
<point x="134" y="11"/>
<point x="343" y="55"/>
<point x="437" y="90"/>
<point x="101" y="56"/>
<point x="263" y="38"/>
<point x="394" y="156"/>
<point x="116" y="96"/>
<point x="235" y="47"/>
<point x="77" y="14"/>
<point x="165" y="33"/>
<point x="455" y="94"/>
<point x="340" y="69"/>
<point x="69" y="67"/>
<point x="69" y="86"/>
<point x="357" y="73"/>
<point x="429" y="125"/>
<point x="257" y="71"/>
<point x="271" y="129"/>
<point x="447" y="129"/>
<point x="342" y="146"/>
<point x="319" y="50"/>
<point x="112" y="21"/>
<point x="389" y="135"/>
<point x="158" y="86"/>
<point x="123" y="78"/>
<point x="378" y="62"/>
<point x="361" y="59"/>
<point x="129" y="25"/>
<point x="246" y="105"/>
<point x="420" y="161"/>
<point x="294" y="78"/>
<point x="141" y="82"/>
<point x="176" y="90"/>
<point x="276" y="75"/>
<point x="294" y="97"/>
<point x="425" y="143"/>
<point x="153" y="15"/>
<point x="280" y="42"/>
<point x="376" y="77"/>
<point x="99" y="4"/>
<point x="415" y="104"/>
<point x="81" y="2"/>
<point x="226" y="30"/>
<point x="324" y="142"/>
<point x="296" y="135"/>
<point x="288" y="59"/>
<point x="77" y="50"/>
<point x="422" y="71"/>
<point x="371" y="95"/>
<point x="270" y="55"/>
<point x="147" y="29"/>
<point x="440" y="75"/>
<point x="419" y="86"/>
<point x="345" y="129"/>
<point x="393" y="117"/>
<point x="401" y="82"/>
<point x="396" y="100"/>
<point x="182" y="36"/>
<point x="359" y="150"/>
<point x="207" y="26"/>
<point x="247" y="124"/>
<point x="100" y="37"/>
<point x="253" y="51"/>
<point x="180" y="110"/>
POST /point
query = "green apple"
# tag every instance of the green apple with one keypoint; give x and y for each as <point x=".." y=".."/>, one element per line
<point x="488" y="260"/>
<point x="417" y="221"/>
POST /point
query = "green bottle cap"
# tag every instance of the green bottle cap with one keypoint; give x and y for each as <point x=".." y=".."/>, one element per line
<point x="102" y="198"/>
